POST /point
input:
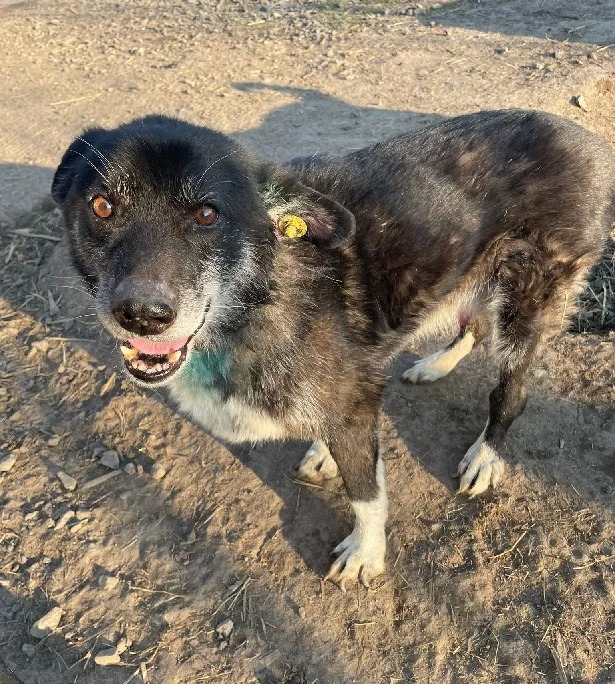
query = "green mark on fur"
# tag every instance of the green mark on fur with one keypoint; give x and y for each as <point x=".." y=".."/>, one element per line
<point x="207" y="368"/>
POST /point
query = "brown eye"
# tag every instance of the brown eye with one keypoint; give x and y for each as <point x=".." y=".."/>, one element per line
<point x="206" y="215"/>
<point x="102" y="207"/>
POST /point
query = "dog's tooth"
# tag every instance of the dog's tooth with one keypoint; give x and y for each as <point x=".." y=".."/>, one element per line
<point x="175" y="356"/>
<point x="128" y="352"/>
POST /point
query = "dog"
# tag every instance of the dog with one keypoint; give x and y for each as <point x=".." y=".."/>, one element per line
<point x="269" y="298"/>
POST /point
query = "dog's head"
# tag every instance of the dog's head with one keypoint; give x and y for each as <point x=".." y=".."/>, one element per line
<point x="175" y="229"/>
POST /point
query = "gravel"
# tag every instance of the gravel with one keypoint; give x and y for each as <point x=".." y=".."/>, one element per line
<point x="158" y="471"/>
<point x="68" y="481"/>
<point x="7" y="462"/>
<point x="110" y="459"/>
<point x="47" y="624"/>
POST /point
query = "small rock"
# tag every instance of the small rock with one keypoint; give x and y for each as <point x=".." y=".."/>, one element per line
<point x="108" y="582"/>
<point x="224" y="629"/>
<point x="69" y="482"/>
<point x="64" y="519"/>
<point x="41" y="346"/>
<point x="158" y="471"/>
<point x="47" y="624"/>
<point x="29" y="650"/>
<point x="110" y="459"/>
<point x="501" y="50"/>
<point x="301" y="611"/>
<point x="109" y="656"/>
<point x="7" y="462"/>
<point x="580" y="102"/>
<point x="53" y="441"/>
<point x="130" y="469"/>
<point x="562" y="443"/>
<point x="139" y="469"/>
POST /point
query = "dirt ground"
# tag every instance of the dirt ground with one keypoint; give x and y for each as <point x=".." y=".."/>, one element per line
<point x="515" y="587"/>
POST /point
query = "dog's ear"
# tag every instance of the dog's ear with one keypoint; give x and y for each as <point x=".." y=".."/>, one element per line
<point x="329" y="224"/>
<point x="82" y="151"/>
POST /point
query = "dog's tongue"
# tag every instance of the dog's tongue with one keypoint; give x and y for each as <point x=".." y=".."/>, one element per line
<point x="157" y="348"/>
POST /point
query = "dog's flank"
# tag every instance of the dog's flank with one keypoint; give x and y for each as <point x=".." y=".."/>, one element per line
<point x="484" y="227"/>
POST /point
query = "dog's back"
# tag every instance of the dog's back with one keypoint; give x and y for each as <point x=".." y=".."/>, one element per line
<point x="451" y="205"/>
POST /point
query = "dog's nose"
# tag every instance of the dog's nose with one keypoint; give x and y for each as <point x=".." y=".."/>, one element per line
<point x="144" y="317"/>
<point x="144" y="309"/>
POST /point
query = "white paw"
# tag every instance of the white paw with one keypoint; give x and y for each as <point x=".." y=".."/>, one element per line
<point x="360" y="558"/>
<point x="317" y="464"/>
<point x="479" y="468"/>
<point x="429" y="369"/>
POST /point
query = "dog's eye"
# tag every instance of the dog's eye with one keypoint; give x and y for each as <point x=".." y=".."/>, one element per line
<point x="206" y="215"/>
<point x="102" y="207"/>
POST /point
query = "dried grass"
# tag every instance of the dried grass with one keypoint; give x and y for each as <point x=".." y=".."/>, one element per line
<point x="597" y="304"/>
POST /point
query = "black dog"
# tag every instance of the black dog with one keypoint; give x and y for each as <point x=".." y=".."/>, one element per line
<point x="270" y="299"/>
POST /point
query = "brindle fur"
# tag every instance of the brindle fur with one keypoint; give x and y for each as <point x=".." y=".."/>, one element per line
<point x="494" y="219"/>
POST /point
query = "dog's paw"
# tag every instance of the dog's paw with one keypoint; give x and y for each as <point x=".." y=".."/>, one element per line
<point x="317" y="464"/>
<point x="429" y="369"/>
<point x="360" y="558"/>
<point x="479" y="468"/>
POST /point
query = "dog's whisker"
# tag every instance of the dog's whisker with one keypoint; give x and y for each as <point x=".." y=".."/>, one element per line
<point x="213" y="164"/>
<point x="98" y="171"/>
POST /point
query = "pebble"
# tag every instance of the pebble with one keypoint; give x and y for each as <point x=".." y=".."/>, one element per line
<point x="130" y="468"/>
<point x="53" y="441"/>
<point x="301" y="611"/>
<point x="224" y="629"/>
<point x="108" y="582"/>
<point x="64" y="519"/>
<point x="7" y="462"/>
<point x="29" y="650"/>
<point x="47" y="624"/>
<point x="108" y="656"/>
<point x="580" y="102"/>
<point x="139" y="469"/>
<point x="158" y="471"/>
<point x="69" y="482"/>
<point x="110" y="459"/>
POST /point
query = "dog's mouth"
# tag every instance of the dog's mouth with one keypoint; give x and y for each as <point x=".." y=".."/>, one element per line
<point x="152" y="362"/>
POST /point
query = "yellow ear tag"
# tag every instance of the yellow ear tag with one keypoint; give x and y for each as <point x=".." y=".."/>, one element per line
<point x="292" y="226"/>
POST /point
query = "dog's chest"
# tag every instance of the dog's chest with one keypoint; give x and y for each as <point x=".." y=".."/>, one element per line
<point x="199" y="394"/>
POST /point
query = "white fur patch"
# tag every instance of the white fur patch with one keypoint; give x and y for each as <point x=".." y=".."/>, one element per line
<point x="441" y="363"/>
<point x="482" y="466"/>
<point x="361" y="554"/>
<point x="231" y="419"/>
<point x="317" y="464"/>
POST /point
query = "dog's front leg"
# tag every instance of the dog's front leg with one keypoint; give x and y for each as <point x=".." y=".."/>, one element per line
<point x="356" y="452"/>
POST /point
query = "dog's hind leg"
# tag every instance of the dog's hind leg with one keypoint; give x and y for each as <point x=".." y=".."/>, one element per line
<point x="355" y="450"/>
<point x="482" y="466"/>
<point x="526" y="302"/>
<point x="317" y="464"/>
<point x="440" y="364"/>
